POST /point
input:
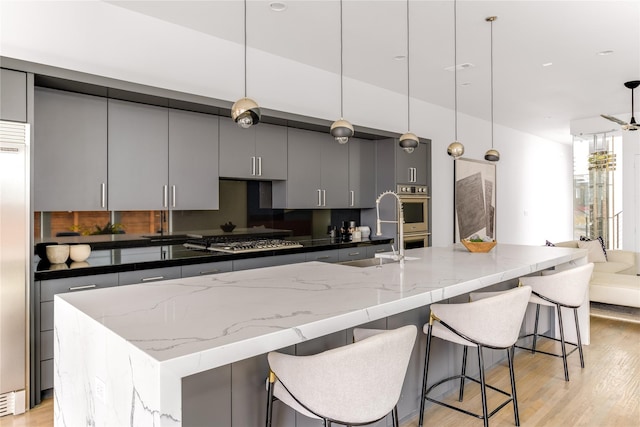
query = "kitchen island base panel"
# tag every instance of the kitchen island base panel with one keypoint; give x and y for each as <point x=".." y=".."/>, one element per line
<point x="128" y="359"/>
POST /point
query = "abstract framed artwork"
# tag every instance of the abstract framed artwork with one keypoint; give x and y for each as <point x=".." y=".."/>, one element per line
<point x="474" y="197"/>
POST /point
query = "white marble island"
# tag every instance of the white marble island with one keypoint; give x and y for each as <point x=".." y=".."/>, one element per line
<point x="121" y="353"/>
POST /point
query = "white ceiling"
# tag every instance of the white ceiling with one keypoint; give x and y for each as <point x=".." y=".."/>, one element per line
<point x="527" y="96"/>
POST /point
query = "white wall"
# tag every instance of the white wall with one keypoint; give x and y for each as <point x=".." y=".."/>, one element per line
<point x="534" y="175"/>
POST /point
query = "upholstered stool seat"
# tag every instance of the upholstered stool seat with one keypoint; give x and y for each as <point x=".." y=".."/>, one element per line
<point x="492" y="322"/>
<point x="567" y="288"/>
<point x="356" y="384"/>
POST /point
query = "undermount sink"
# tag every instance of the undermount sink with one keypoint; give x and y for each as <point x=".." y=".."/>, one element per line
<point x="373" y="262"/>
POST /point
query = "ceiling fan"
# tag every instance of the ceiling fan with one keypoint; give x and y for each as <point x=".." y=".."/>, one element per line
<point x="632" y="125"/>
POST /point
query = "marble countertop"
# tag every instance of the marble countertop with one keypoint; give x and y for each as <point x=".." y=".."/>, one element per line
<point x="195" y="324"/>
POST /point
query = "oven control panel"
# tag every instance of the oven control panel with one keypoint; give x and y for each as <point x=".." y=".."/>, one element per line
<point x="412" y="189"/>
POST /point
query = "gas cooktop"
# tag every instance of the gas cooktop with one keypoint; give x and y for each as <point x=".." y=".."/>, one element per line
<point x="240" y="246"/>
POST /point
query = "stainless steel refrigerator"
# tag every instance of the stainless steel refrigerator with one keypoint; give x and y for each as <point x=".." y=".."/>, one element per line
<point x="15" y="271"/>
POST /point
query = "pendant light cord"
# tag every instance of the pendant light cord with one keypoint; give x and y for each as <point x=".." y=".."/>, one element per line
<point x="455" y="66"/>
<point x="245" y="48"/>
<point x="341" y="78"/>
<point x="408" y="80"/>
<point x="492" y="82"/>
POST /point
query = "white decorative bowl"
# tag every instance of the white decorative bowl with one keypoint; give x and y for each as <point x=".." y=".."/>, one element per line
<point x="57" y="254"/>
<point x="79" y="253"/>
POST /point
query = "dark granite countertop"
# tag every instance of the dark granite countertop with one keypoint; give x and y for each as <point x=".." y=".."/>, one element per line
<point x="128" y="258"/>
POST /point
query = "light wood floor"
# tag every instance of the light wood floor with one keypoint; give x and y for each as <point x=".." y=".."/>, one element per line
<point x="605" y="393"/>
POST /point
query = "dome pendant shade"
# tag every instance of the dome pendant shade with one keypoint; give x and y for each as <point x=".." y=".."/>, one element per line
<point x="492" y="155"/>
<point x="455" y="149"/>
<point x="409" y="142"/>
<point x="341" y="130"/>
<point x="245" y="112"/>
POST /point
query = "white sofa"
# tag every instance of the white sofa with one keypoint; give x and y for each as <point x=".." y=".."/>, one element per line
<point x="614" y="281"/>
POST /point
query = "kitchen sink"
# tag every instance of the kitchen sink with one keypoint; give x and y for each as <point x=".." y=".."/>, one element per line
<point x="373" y="262"/>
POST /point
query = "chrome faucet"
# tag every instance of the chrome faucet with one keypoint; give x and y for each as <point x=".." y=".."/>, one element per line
<point x="400" y="222"/>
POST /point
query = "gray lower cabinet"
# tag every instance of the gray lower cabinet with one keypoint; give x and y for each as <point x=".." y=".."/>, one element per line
<point x="137" y="160"/>
<point x="193" y="161"/>
<point x="70" y="153"/>
<point x="362" y="183"/>
<point x="318" y="173"/>
<point x="267" y="261"/>
<point x="352" y="254"/>
<point x="323" y="256"/>
<point x="206" y="268"/>
<point x="149" y="275"/>
<point x="13" y="95"/>
<point x="43" y="319"/>
<point x="377" y="249"/>
<point x="259" y="152"/>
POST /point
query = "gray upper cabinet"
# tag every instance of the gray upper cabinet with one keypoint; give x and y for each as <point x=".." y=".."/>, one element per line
<point x="318" y="174"/>
<point x="259" y="152"/>
<point x="193" y="161"/>
<point x="411" y="168"/>
<point x="70" y="151"/>
<point x="13" y="95"/>
<point x="138" y="156"/>
<point x="362" y="188"/>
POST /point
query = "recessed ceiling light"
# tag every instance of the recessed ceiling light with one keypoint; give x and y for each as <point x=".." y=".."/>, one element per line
<point x="605" y="52"/>
<point x="278" y="6"/>
<point x="460" y="67"/>
<point x="400" y="57"/>
<point x="547" y="64"/>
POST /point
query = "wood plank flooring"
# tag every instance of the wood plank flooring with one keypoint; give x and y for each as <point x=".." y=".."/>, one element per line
<point x="606" y="393"/>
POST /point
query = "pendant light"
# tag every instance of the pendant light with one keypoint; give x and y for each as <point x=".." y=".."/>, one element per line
<point x="341" y="129"/>
<point x="245" y="111"/>
<point x="455" y="149"/>
<point x="408" y="141"/>
<point x="492" y="154"/>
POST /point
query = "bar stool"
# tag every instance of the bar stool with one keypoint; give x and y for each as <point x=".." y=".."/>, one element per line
<point x="567" y="288"/>
<point x="356" y="384"/>
<point x="492" y="322"/>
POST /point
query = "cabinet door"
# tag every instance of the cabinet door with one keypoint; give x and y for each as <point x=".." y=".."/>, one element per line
<point x="411" y="168"/>
<point x="334" y="164"/>
<point x="13" y="95"/>
<point x="138" y="156"/>
<point x="303" y="185"/>
<point x="237" y="150"/>
<point x="271" y="152"/>
<point x="362" y="188"/>
<point x="70" y="153"/>
<point x="193" y="161"/>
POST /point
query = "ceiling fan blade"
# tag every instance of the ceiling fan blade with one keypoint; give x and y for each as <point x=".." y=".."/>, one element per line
<point x="614" y="119"/>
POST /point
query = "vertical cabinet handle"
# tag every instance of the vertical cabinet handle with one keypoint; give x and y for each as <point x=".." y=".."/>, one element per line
<point x="164" y="196"/>
<point x="319" y="197"/>
<point x="353" y="198"/>
<point x="103" y="194"/>
<point x="173" y="196"/>
<point x="253" y="166"/>
<point x="324" y="197"/>
<point x="259" y="166"/>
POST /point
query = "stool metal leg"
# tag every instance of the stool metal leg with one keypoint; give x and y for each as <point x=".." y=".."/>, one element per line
<point x="272" y="379"/>
<point x="394" y="416"/>
<point x="464" y="371"/>
<point x="510" y="355"/>
<point x="564" y="350"/>
<point x="575" y="316"/>
<point x="424" y="376"/>
<point x="535" y="329"/>
<point x="483" y="390"/>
